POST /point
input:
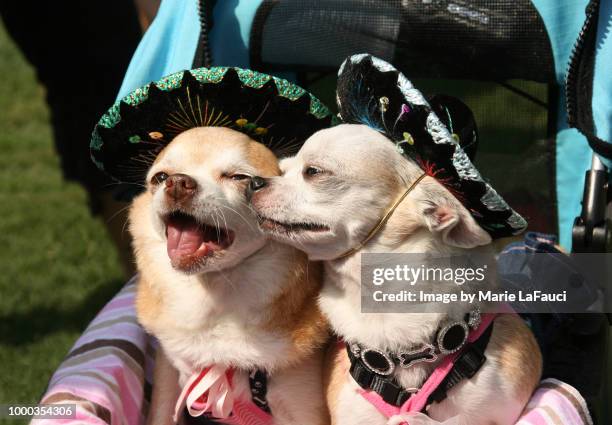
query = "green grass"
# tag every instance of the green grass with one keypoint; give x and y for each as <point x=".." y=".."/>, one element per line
<point x="57" y="265"/>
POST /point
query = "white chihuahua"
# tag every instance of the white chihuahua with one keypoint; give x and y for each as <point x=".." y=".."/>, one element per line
<point x="326" y="203"/>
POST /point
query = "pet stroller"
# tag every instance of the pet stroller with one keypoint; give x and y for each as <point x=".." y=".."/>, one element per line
<point x="533" y="72"/>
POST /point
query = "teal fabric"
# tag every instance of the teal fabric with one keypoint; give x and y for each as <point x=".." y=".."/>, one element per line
<point x="230" y="34"/>
<point x="168" y="46"/>
<point x="170" y="43"/>
<point x="602" y="87"/>
<point x="563" y="20"/>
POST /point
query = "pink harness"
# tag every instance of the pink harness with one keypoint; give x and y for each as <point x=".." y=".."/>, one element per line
<point x="418" y="401"/>
<point x="210" y="392"/>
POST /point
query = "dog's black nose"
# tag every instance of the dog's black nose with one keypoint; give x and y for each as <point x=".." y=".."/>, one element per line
<point x="257" y="183"/>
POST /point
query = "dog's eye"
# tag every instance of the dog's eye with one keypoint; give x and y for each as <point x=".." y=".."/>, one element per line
<point x="312" y="171"/>
<point x="236" y="177"/>
<point x="159" y="178"/>
<point x="239" y="177"/>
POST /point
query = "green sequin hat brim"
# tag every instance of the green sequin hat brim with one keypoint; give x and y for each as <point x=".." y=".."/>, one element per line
<point x="273" y="111"/>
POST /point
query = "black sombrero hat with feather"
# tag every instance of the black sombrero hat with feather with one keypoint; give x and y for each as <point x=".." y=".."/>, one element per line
<point x="439" y="135"/>
<point x="273" y="111"/>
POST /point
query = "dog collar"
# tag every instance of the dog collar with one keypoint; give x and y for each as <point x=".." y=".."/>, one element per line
<point x="383" y="220"/>
<point x="460" y="342"/>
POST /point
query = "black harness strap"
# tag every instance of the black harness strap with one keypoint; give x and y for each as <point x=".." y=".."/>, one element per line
<point x="385" y="386"/>
<point x="466" y="365"/>
<point x="258" y="382"/>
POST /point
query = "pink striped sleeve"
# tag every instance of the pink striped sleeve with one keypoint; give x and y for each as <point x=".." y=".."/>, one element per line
<point x="554" y="403"/>
<point x="104" y="372"/>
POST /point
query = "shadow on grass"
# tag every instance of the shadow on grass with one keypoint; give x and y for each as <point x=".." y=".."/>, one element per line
<point x="26" y="327"/>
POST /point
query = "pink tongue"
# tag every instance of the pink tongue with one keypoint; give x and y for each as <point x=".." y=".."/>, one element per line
<point x="184" y="238"/>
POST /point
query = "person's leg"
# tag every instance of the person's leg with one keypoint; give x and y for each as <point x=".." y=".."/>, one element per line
<point x="147" y="9"/>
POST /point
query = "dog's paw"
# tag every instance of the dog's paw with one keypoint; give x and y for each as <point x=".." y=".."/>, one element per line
<point x="419" y="419"/>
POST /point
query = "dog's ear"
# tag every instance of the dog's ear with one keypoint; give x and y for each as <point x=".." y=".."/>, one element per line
<point x="455" y="225"/>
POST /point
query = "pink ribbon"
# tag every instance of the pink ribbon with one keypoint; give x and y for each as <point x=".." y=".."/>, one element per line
<point x="207" y="391"/>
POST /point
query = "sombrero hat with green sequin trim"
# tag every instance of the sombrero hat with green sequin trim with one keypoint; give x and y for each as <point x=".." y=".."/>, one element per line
<point x="270" y="110"/>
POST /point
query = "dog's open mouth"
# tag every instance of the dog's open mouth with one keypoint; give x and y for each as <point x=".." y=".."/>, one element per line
<point x="188" y="240"/>
<point x="292" y="227"/>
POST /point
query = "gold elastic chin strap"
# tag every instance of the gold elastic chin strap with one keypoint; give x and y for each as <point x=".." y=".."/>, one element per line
<point x="383" y="220"/>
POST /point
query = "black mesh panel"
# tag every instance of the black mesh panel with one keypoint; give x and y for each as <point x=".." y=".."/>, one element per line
<point x="476" y="39"/>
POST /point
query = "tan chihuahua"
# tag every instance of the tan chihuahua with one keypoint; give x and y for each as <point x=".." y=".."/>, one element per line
<point x="216" y="292"/>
